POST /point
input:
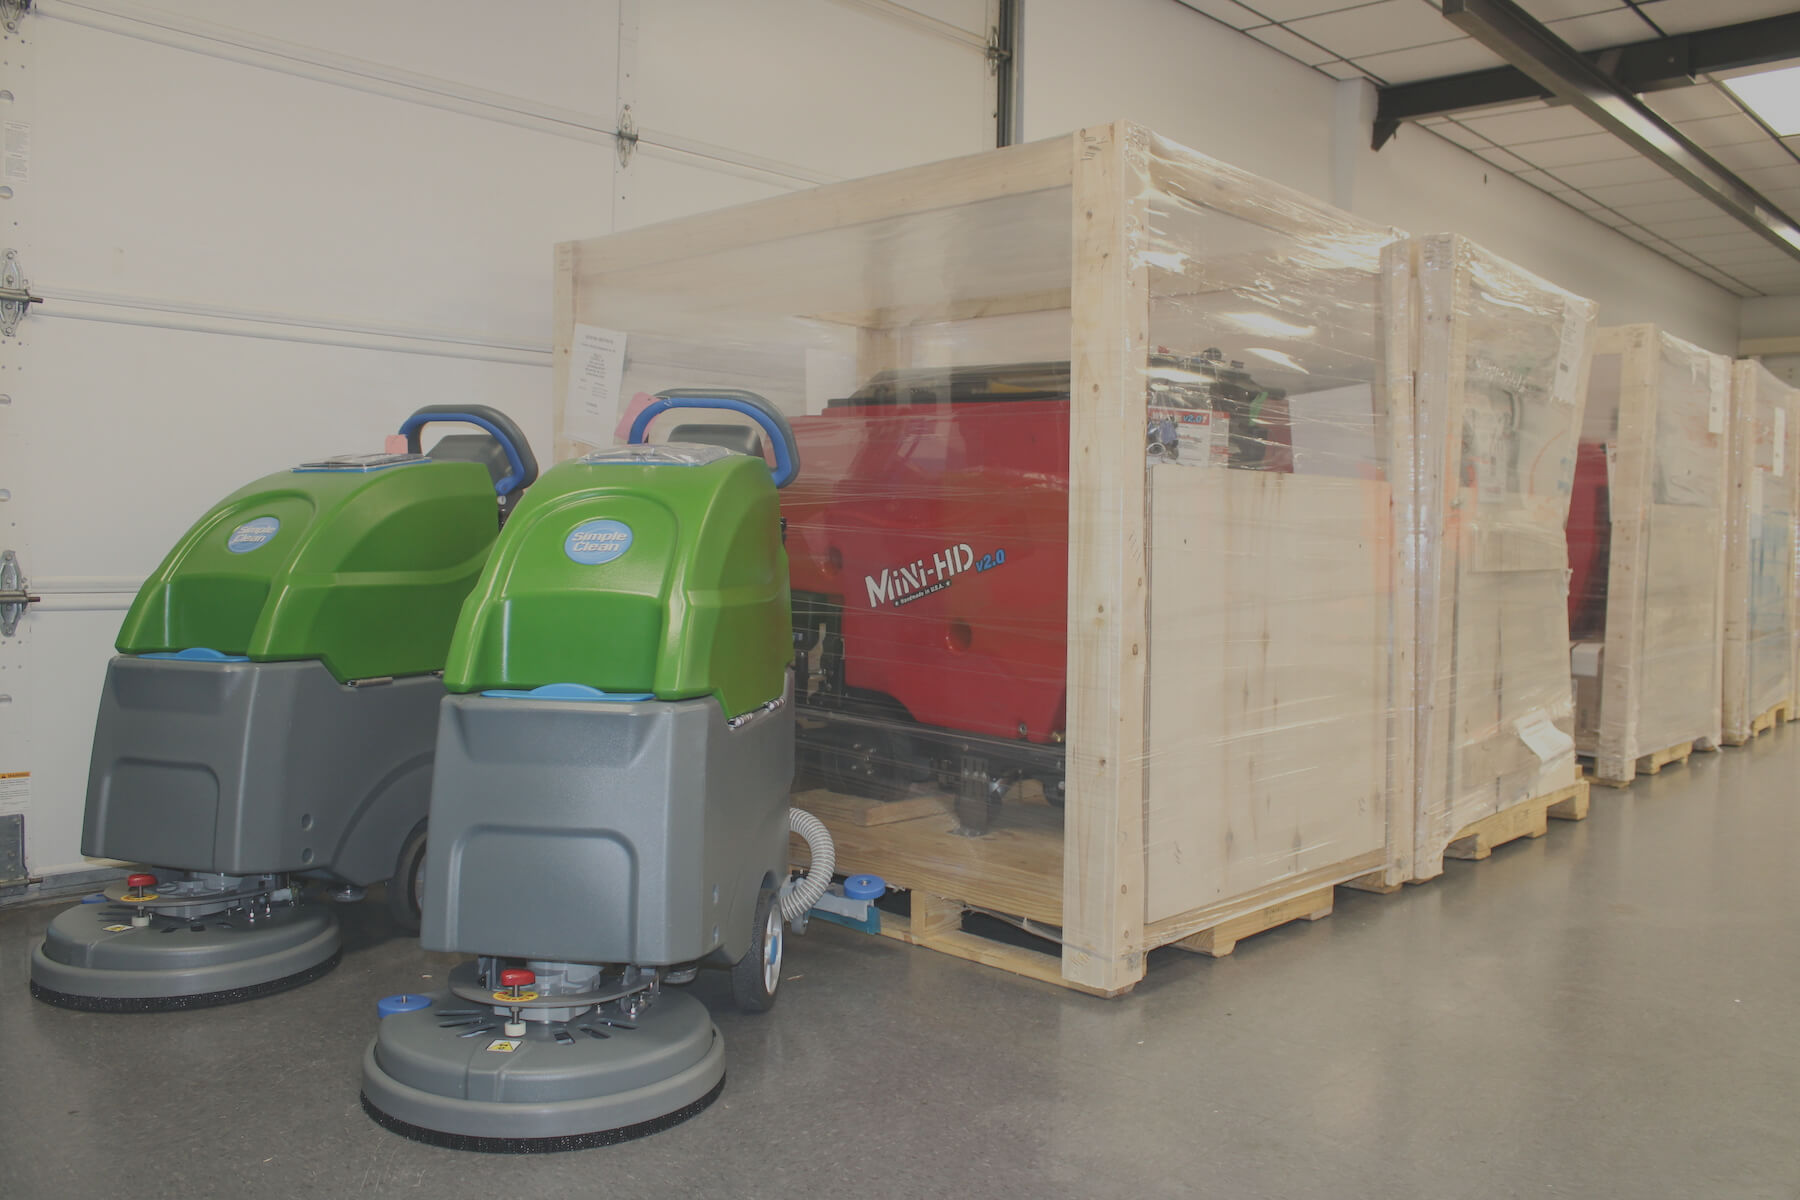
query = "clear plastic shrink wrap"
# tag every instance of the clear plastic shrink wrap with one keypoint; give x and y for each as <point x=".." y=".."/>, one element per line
<point x="1501" y="372"/>
<point x="1115" y="668"/>
<point x="1760" y="548"/>
<point x="1647" y="550"/>
<point x="1101" y="621"/>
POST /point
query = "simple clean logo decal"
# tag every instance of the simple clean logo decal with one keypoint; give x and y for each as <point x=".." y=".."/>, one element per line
<point x="253" y="534"/>
<point x="596" y="542"/>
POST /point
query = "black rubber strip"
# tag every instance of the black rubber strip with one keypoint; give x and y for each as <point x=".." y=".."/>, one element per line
<point x="545" y="1145"/>
<point x="146" y="1004"/>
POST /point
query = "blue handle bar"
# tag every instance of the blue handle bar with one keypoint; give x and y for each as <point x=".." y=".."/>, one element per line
<point x="781" y="438"/>
<point x="505" y="483"/>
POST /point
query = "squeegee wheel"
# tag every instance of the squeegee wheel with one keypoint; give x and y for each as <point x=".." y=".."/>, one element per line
<point x="757" y="975"/>
<point x="406" y="890"/>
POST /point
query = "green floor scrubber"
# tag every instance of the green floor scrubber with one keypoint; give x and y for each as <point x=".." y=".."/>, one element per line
<point x="610" y="810"/>
<point x="268" y="724"/>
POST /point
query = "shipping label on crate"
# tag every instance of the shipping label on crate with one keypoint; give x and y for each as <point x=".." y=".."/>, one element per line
<point x="15" y="791"/>
<point x="1542" y="737"/>
<point x="1192" y="437"/>
<point x="596" y="371"/>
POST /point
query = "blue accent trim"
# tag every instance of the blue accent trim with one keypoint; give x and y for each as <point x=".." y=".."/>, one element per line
<point x="871" y="925"/>
<point x="197" y="654"/>
<point x="570" y="691"/>
<point x="506" y="483"/>
<point x="864" y="887"/>
<point x="784" y="470"/>
<point x="405" y="1002"/>
<point x="96" y="898"/>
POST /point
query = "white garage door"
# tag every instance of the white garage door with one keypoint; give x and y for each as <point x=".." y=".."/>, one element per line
<point x="266" y="231"/>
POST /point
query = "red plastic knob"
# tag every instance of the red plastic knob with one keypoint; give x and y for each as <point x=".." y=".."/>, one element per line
<point x="517" y="977"/>
<point x="140" y="881"/>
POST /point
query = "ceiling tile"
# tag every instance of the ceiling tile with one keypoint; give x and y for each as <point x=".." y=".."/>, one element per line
<point x="1607" y="216"/>
<point x="1557" y="10"/>
<point x="1736" y="260"/>
<point x="1722" y="131"/>
<point x="1542" y="180"/>
<point x="1601" y="30"/>
<point x="1279" y="38"/>
<point x="1679" y="210"/>
<point x="1374" y="28"/>
<point x="1562" y="152"/>
<point x="1773" y="179"/>
<point x="1691" y="103"/>
<point x="1685" y="16"/>
<point x="1699" y="227"/>
<point x="1610" y="171"/>
<point x="1629" y="195"/>
<point x="1725" y="243"/>
<point x="1464" y="137"/>
<point x="1234" y="15"/>
<point x="1500" y="158"/>
<point x="1534" y="125"/>
<point x="1428" y="62"/>
<point x="1747" y="156"/>
<point x="1290" y="10"/>
<point x="1342" y="70"/>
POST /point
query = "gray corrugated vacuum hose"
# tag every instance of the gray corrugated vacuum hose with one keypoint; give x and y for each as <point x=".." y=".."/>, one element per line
<point x="798" y="900"/>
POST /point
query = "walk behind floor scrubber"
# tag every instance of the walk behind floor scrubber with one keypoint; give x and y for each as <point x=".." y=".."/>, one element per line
<point x="610" y="809"/>
<point x="270" y="720"/>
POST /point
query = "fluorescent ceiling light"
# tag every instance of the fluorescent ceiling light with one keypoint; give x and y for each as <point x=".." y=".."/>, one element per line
<point x="1772" y="95"/>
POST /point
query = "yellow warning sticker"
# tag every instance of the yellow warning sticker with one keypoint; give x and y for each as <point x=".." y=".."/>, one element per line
<point x="521" y="998"/>
<point x="115" y="928"/>
<point x="505" y="1045"/>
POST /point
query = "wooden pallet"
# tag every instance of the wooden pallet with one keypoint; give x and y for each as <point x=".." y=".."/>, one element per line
<point x="1777" y="713"/>
<point x="1527" y="819"/>
<point x="1012" y="873"/>
<point x="1651" y="764"/>
<point x="935" y="922"/>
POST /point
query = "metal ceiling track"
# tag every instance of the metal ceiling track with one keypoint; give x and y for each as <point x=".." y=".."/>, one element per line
<point x="1566" y="74"/>
<point x="1638" y="67"/>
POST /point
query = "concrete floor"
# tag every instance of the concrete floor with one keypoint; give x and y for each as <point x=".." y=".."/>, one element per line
<point x="1611" y="1010"/>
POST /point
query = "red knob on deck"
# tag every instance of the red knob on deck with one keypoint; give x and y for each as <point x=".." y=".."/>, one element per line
<point x="517" y="977"/>
<point x="140" y="881"/>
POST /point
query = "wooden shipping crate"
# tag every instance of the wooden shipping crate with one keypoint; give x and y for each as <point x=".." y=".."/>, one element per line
<point x="1760" y="604"/>
<point x="1650" y="628"/>
<point x="1210" y="587"/>
<point x="1499" y="384"/>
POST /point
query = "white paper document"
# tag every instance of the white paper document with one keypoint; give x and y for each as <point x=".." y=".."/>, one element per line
<point x="1542" y="737"/>
<point x="596" y="371"/>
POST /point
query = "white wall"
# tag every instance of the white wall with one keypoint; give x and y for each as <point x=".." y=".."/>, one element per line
<point x="1227" y="95"/>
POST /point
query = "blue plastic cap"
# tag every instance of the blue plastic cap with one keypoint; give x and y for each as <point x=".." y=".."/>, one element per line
<point x="387" y="1006"/>
<point x="197" y="654"/>
<point x="569" y="691"/>
<point x="864" y="887"/>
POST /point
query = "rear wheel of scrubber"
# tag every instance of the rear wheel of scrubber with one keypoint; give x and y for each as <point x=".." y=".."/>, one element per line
<point x="757" y="974"/>
<point x="406" y="890"/>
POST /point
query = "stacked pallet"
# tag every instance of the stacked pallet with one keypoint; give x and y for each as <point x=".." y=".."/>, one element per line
<point x="1648" y="553"/>
<point x="1760" y="667"/>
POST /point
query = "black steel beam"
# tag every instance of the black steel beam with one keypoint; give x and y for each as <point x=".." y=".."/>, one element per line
<point x="1638" y="67"/>
<point x="1519" y="38"/>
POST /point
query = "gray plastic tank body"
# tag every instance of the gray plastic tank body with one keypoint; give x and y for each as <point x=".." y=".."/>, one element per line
<point x="251" y="768"/>
<point x="603" y="832"/>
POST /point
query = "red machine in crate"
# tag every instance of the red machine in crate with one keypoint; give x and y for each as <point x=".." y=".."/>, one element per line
<point x="1590" y="542"/>
<point x="928" y="542"/>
